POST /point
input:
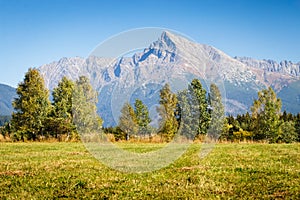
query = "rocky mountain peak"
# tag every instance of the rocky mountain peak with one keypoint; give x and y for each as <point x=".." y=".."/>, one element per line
<point x="164" y="43"/>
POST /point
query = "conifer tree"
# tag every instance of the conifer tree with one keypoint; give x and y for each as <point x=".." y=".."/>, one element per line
<point x="142" y="116"/>
<point x="31" y="106"/>
<point x="286" y="116"/>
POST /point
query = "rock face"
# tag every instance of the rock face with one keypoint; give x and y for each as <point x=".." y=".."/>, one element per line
<point x="174" y="59"/>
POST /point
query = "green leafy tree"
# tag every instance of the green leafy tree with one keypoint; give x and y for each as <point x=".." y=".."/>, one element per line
<point x="187" y="119"/>
<point x="227" y="133"/>
<point x="218" y="119"/>
<point x="200" y="106"/>
<point x="128" y="121"/>
<point x="84" y="108"/>
<point x="193" y="114"/>
<point x="287" y="132"/>
<point x="266" y="115"/>
<point x="168" y="103"/>
<point x="31" y="106"/>
<point x="142" y="117"/>
<point x="242" y="135"/>
<point x="61" y="119"/>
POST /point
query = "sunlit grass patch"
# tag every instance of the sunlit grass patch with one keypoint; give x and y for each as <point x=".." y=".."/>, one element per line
<point x="68" y="170"/>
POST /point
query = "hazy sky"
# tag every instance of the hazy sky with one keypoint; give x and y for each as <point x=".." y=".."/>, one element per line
<point x="36" y="32"/>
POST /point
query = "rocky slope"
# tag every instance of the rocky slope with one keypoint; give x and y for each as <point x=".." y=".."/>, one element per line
<point x="7" y="95"/>
<point x="284" y="67"/>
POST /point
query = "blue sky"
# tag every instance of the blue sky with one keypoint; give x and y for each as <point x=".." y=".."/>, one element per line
<point x="36" y="32"/>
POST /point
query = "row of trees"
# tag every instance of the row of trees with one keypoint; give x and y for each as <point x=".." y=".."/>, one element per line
<point x="242" y="127"/>
<point x="135" y="121"/>
<point x="191" y="113"/>
<point x="35" y="117"/>
<point x="194" y="113"/>
<point x="266" y="122"/>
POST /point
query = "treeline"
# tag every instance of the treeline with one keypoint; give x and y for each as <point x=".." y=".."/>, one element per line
<point x="192" y="113"/>
<point x="36" y="118"/>
<point x="266" y="122"/>
<point x="246" y="128"/>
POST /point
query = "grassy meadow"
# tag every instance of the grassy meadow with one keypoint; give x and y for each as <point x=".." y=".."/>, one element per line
<point x="230" y="171"/>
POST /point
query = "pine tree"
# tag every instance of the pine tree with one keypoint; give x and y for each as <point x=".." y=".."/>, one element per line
<point x="286" y="116"/>
<point x="61" y="120"/>
<point x="84" y="108"/>
<point x="128" y="121"/>
<point x="168" y="104"/>
<point x="266" y="115"/>
<point x="31" y="106"/>
<point x="142" y="117"/>
<point x="218" y="119"/>
<point x="247" y="120"/>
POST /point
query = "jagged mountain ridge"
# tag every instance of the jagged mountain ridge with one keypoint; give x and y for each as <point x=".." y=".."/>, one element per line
<point x="285" y="67"/>
<point x="169" y="59"/>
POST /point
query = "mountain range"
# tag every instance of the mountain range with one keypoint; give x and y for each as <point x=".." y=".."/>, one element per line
<point x="7" y="95"/>
<point x="176" y="60"/>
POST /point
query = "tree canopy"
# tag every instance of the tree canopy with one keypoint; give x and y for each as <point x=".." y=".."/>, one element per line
<point x="84" y="108"/>
<point x="32" y="106"/>
<point x="142" y="117"/>
<point x="127" y="121"/>
<point x="60" y="120"/>
<point x="266" y="115"/>
<point x="168" y="104"/>
<point x="218" y="118"/>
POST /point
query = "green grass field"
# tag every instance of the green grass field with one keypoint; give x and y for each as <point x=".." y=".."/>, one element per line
<point x="230" y="171"/>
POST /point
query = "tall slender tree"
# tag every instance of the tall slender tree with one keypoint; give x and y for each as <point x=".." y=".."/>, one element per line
<point x="128" y="121"/>
<point x="218" y="119"/>
<point x="142" y="117"/>
<point x="61" y="119"/>
<point x="266" y="115"/>
<point x="199" y="105"/>
<point x="84" y="108"/>
<point x="168" y="102"/>
<point x="186" y="114"/>
<point x="31" y="106"/>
